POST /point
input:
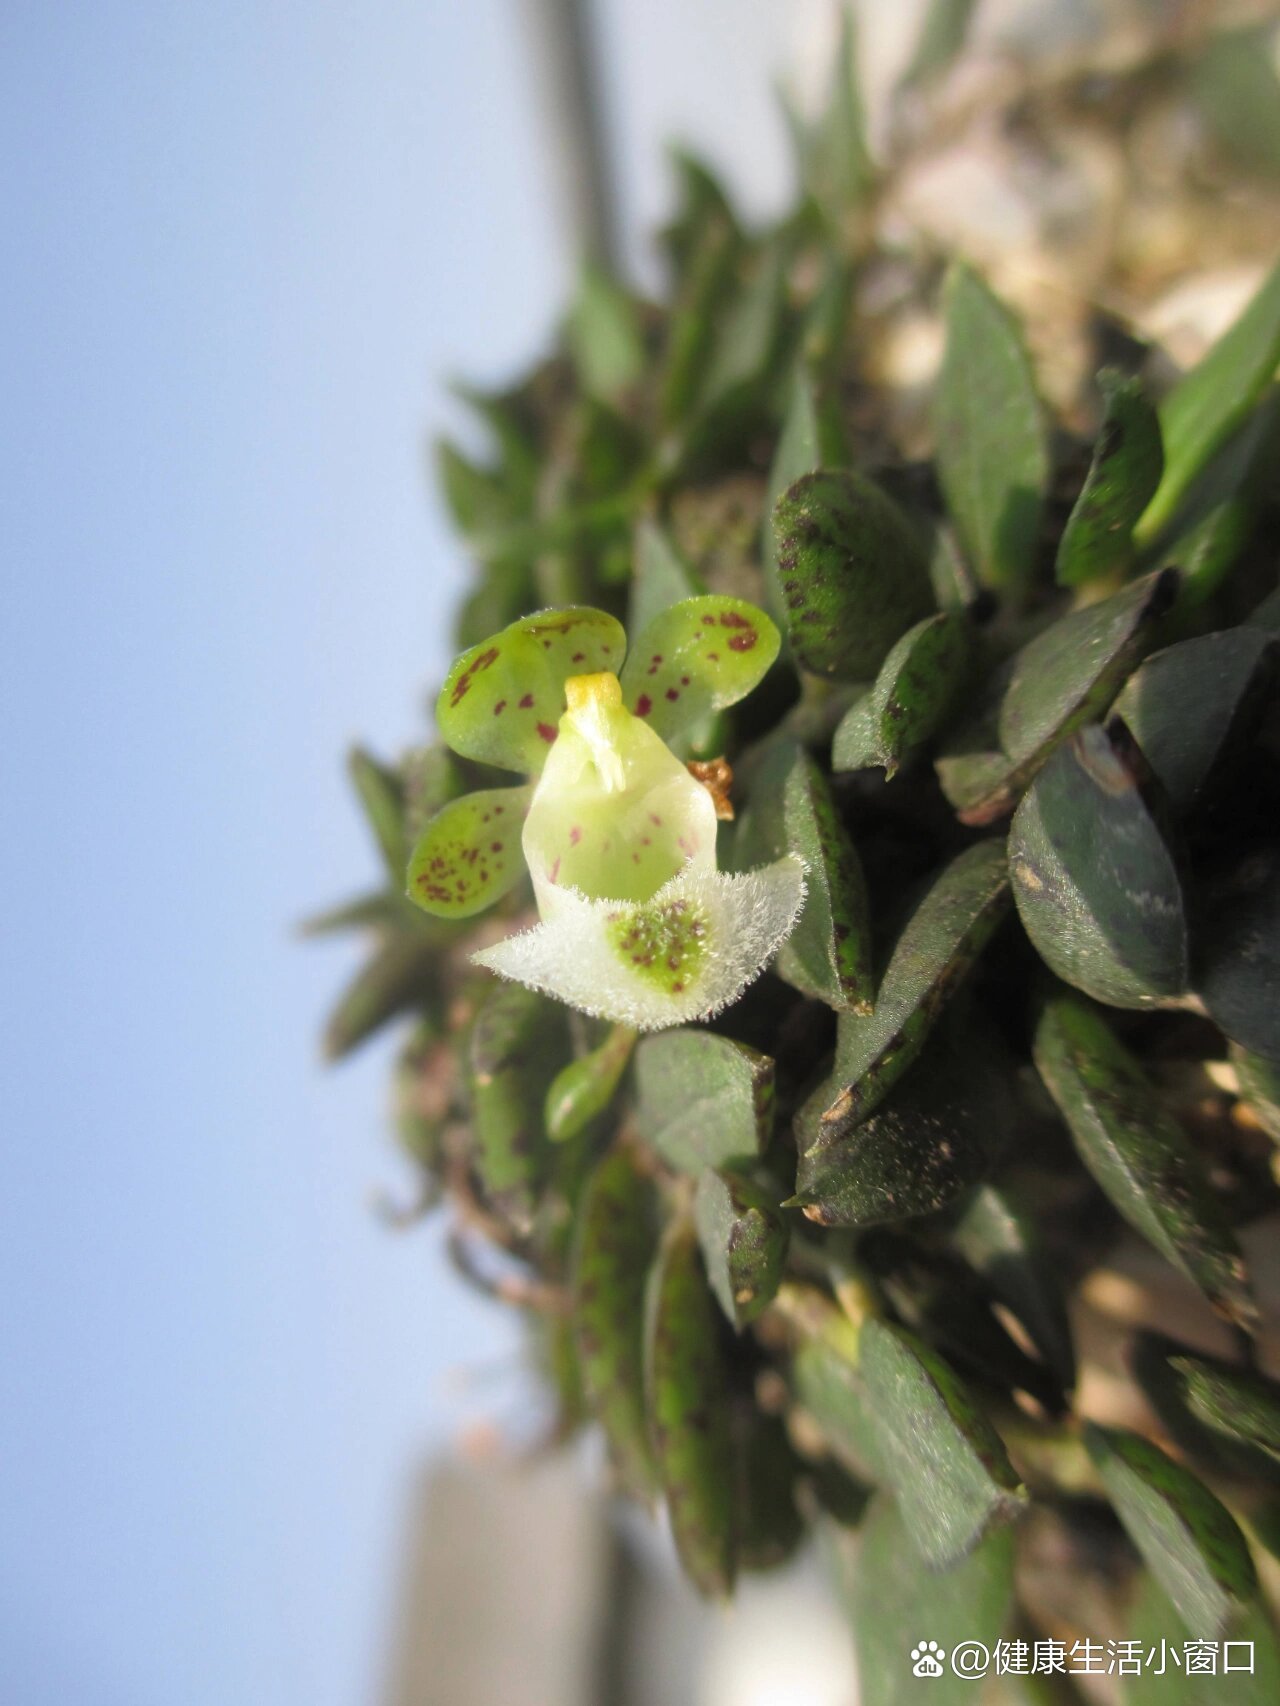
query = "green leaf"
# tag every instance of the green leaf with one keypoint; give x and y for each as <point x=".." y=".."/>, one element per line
<point x="662" y="577"/>
<point x="852" y="570"/>
<point x="1000" y="1239"/>
<point x="993" y="459"/>
<point x="1228" y="678"/>
<point x="744" y="1241"/>
<point x="935" y="951"/>
<point x="1207" y="404"/>
<point x="749" y="335"/>
<point x="502" y="701"/>
<point x="913" y="693"/>
<point x="1122" y="479"/>
<point x="703" y="1100"/>
<point x="700" y="655"/>
<point x="1186" y="1536"/>
<point x="942" y="36"/>
<point x="813" y="437"/>
<point x="424" y="1074"/>
<point x="1237" y="950"/>
<point x="896" y="1604"/>
<point x="838" y="168"/>
<point x="1096" y="886"/>
<point x="687" y="1388"/>
<point x="431" y="776"/>
<point x="381" y="795"/>
<point x="469" y="855"/>
<point x="1237" y="1409"/>
<point x="936" y="1134"/>
<point x="1066" y="676"/>
<point x="791" y="810"/>
<point x="614" y="1245"/>
<point x="769" y="1523"/>
<point x="518" y="1041"/>
<point x="903" y="1409"/>
<point x="702" y="297"/>
<point x="605" y="335"/>
<point x="1259" y="1080"/>
<point x="1233" y="76"/>
<point x="701" y="201"/>
<point x="402" y="974"/>
<point x="1160" y="1632"/>
<point x="367" y="912"/>
<point x="1138" y="1153"/>
<point x="584" y="1089"/>
<point x="480" y="501"/>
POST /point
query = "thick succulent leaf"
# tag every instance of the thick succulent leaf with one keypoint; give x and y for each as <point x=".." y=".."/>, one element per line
<point x="502" y="701"/>
<point x="683" y="955"/>
<point x="748" y="336"/>
<point x="828" y="954"/>
<point x="1127" y="462"/>
<point x="913" y="693"/>
<point x="928" y="1142"/>
<point x="585" y="1088"/>
<point x="769" y="1522"/>
<point x="662" y="576"/>
<point x="1207" y="404"/>
<point x="1068" y="675"/>
<point x="1231" y="1401"/>
<point x="1000" y="1239"/>
<point x="1259" y="1080"/>
<point x="903" y="1411"/>
<point x="1228" y="678"/>
<point x="700" y="655"/>
<point x="1238" y="954"/>
<point x="896" y="1604"/>
<point x="518" y="1042"/>
<point x="615" y="1241"/>
<point x="605" y="335"/>
<point x="1186" y="1536"/>
<point x="744" y="1240"/>
<point x="1138" y="1153"/>
<point x="813" y="437"/>
<point x="1158" y="1630"/>
<point x="1225" y="1418"/>
<point x="402" y="974"/>
<point x="1096" y="885"/>
<point x="469" y="854"/>
<point x="687" y="1388"/>
<point x="993" y="459"/>
<point x="936" y="949"/>
<point x="852" y="571"/>
<point x="703" y="1100"/>
<point x="381" y="795"/>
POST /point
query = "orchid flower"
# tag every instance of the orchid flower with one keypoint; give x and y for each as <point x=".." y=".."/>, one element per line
<point x="636" y="923"/>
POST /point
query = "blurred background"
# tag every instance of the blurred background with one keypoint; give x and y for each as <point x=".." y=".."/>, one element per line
<point x="248" y="246"/>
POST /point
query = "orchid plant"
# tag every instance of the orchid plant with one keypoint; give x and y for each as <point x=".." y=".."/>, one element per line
<point x="636" y="922"/>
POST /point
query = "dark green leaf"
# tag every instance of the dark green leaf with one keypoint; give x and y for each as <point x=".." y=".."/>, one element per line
<point x="431" y="776"/>
<point x="744" y="1241"/>
<point x="942" y="35"/>
<point x="402" y="974"/>
<point x="828" y="955"/>
<point x="368" y="912"/>
<point x="839" y="170"/>
<point x="583" y="1090"/>
<point x="936" y="1134"/>
<point x="1238" y="954"/>
<point x="480" y="501"/>
<point x="770" y="1525"/>
<point x="913" y="693"/>
<point x="605" y="335"/>
<point x="662" y="577"/>
<point x="1138" y="1153"/>
<point x="518" y="1041"/>
<point x="702" y="1099"/>
<point x="1227" y="1417"/>
<point x="1267" y="614"/>
<point x="1000" y="1239"/>
<point x="1066" y="676"/>
<point x="853" y="573"/>
<point x="749" y="335"/>
<point x="897" y="1605"/>
<point x="938" y="946"/>
<point x="1190" y="706"/>
<point x="1096" y="885"/>
<point x="1160" y="1632"/>
<point x="615" y="1242"/>
<point x="1207" y="404"/>
<point x="1187" y="1538"/>
<point x="1122" y="480"/>
<point x="424" y="1071"/>
<point x="700" y="304"/>
<point x="992" y="455"/>
<point x="687" y="1388"/>
<point x="381" y="794"/>
<point x="813" y="437"/>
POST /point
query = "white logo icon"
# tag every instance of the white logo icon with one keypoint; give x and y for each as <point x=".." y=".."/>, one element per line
<point x="927" y="1659"/>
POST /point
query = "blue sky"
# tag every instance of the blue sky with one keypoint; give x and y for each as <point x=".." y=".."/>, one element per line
<point x="247" y="243"/>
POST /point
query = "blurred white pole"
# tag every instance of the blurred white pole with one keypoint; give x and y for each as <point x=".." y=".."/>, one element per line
<point x="569" y="81"/>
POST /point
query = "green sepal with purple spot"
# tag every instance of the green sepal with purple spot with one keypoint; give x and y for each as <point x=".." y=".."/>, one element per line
<point x="502" y="701"/>
<point x="698" y="656"/>
<point x="469" y="855"/>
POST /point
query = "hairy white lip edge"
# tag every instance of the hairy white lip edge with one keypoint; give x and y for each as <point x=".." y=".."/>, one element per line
<point x="568" y="954"/>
